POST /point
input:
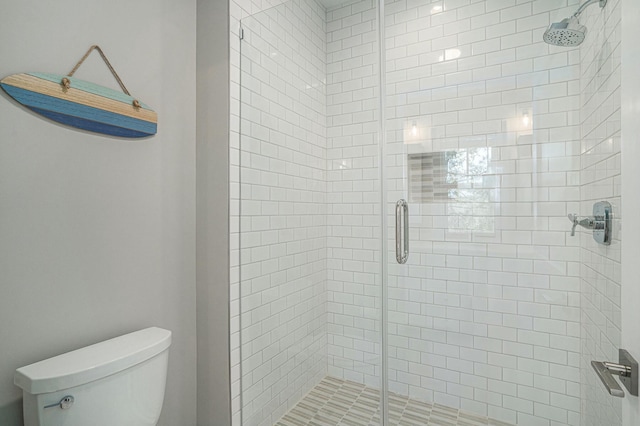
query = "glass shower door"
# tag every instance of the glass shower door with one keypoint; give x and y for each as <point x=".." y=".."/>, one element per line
<point x="483" y="143"/>
<point x="309" y="216"/>
<point x="282" y="210"/>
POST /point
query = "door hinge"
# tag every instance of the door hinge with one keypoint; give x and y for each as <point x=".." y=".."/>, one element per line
<point x="241" y="33"/>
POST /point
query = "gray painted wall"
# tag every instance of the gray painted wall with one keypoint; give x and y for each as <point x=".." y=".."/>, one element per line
<point x="214" y="401"/>
<point x="97" y="235"/>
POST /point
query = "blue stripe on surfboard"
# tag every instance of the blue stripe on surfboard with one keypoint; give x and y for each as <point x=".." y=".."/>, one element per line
<point x="92" y="126"/>
<point x="88" y="87"/>
<point x="37" y="100"/>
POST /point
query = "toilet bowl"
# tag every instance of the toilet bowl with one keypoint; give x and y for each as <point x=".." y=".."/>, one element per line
<point x="116" y="382"/>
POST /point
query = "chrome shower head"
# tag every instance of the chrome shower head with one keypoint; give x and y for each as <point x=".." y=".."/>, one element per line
<point x="567" y="32"/>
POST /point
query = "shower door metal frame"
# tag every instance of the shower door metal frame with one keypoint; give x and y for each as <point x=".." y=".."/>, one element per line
<point x="384" y="350"/>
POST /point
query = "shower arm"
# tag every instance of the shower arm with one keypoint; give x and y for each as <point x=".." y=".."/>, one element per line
<point x="586" y="4"/>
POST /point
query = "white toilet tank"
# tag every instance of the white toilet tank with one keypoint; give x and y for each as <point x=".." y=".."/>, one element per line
<point x="118" y="382"/>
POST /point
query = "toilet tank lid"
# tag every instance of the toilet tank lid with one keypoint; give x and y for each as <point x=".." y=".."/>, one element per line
<point x="92" y="362"/>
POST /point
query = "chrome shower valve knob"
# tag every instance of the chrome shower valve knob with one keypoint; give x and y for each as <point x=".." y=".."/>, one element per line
<point x="600" y="222"/>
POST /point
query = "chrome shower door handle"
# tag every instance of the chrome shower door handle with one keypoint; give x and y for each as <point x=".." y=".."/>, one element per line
<point x="402" y="241"/>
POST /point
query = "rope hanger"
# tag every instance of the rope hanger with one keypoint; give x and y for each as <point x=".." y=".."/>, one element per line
<point x="67" y="83"/>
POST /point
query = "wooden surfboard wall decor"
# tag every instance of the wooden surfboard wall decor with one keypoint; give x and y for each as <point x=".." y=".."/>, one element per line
<point x="82" y="104"/>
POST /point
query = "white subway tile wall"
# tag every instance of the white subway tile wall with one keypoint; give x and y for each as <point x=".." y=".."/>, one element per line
<point x="283" y="311"/>
<point x="238" y="11"/>
<point x="485" y="315"/>
<point x="600" y="180"/>
<point x="354" y="223"/>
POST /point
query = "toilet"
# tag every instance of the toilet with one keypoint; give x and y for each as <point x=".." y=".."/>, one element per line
<point x="116" y="382"/>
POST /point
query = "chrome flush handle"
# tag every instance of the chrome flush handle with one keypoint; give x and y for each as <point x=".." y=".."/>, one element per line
<point x="65" y="403"/>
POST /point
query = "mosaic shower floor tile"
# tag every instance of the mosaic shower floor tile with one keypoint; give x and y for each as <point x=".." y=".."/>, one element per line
<point x="336" y="402"/>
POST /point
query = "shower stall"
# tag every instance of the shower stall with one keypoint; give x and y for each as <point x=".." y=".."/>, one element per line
<point x="405" y="179"/>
